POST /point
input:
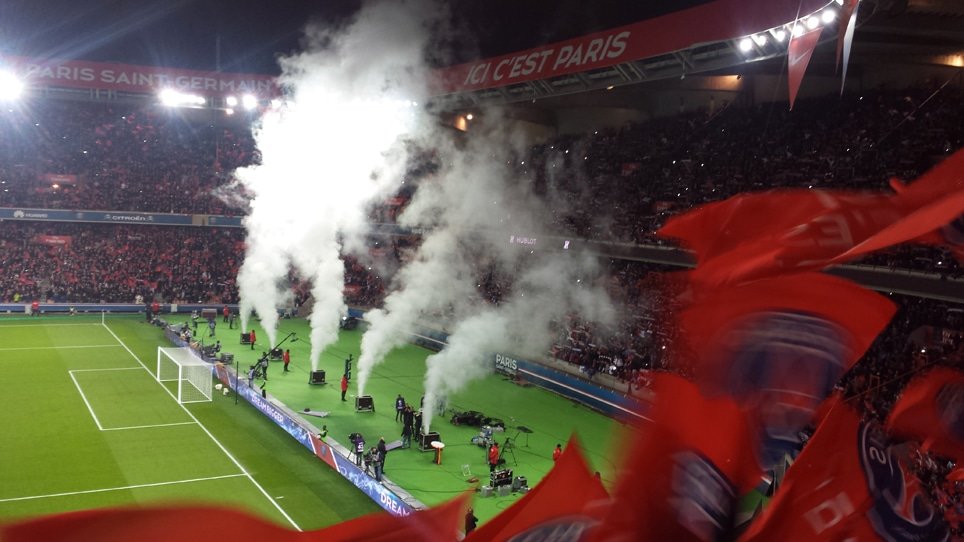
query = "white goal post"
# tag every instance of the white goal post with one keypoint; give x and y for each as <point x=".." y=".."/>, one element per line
<point x="192" y="374"/>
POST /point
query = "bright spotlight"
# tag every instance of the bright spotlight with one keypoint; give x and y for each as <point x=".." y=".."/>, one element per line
<point x="249" y="102"/>
<point x="469" y="117"/>
<point x="839" y="2"/>
<point x="746" y="44"/>
<point x="760" y="39"/>
<point x="170" y="97"/>
<point x="198" y="100"/>
<point x="780" y="35"/>
<point x="797" y="30"/>
<point x="812" y="22"/>
<point x="10" y="86"/>
<point x="828" y="16"/>
<point x="229" y="111"/>
<point x="231" y="101"/>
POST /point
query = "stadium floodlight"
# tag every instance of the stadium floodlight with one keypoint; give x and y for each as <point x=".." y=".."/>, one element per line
<point x="746" y="44"/>
<point x="231" y="101"/>
<point x="812" y="23"/>
<point x="170" y="97"/>
<point x="191" y="373"/>
<point x="11" y="87"/>
<point x="760" y="39"/>
<point x="249" y="101"/>
<point x="780" y="35"/>
<point x="797" y="30"/>
<point x="839" y="2"/>
<point x="470" y="116"/>
<point x="828" y="16"/>
<point x="229" y="111"/>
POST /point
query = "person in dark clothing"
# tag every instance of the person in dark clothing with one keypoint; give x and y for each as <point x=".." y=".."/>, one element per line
<point x="399" y="407"/>
<point x="406" y="435"/>
<point x="470" y="521"/>
<point x="382" y="453"/>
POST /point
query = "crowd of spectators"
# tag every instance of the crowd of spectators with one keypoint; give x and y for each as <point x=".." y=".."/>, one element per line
<point x="117" y="156"/>
<point x="96" y="263"/>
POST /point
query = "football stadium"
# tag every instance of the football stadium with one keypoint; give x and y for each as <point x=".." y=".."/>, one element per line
<point x="424" y="271"/>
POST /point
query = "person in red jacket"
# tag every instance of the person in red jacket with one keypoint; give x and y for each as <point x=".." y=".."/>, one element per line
<point x="252" y="338"/>
<point x="344" y="386"/>
<point x="226" y="312"/>
<point x="286" y="357"/>
<point x="557" y="452"/>
<point x="35" y="308"/>
<point x="493" y="456"/>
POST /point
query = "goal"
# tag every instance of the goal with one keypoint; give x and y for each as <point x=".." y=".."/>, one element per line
<point x="193" y="375"/>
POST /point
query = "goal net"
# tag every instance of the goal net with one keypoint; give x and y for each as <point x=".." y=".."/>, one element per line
<point x="192" y="375"/>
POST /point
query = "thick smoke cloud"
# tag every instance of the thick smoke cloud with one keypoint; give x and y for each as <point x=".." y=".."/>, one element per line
<point x="330" y="149"/>
<point x="471" y="208"/>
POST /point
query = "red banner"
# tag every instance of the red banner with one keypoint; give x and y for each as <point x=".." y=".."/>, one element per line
<point x="798" y="57"/>
<point x="55" y="240"/>
<point x="715" y="21"/>
<point x="54" y="72"/>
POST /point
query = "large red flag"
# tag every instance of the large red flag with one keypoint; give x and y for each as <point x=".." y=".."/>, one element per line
<point x="758" y="235"/>
<point x="683" y="471"/>
<point x="931" y="410"/>
<point x="207" y="523"/>
<point x="798" y="57"/>
<point x="847" y="484"/>
<point x="779" y="345"/>
<point x="565" y="505"/>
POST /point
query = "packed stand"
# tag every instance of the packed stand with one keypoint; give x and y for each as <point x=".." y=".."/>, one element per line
<point x="115" y="156"/>
<point x="97" y="263"/>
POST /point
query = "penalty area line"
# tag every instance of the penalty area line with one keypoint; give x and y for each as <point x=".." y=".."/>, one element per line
<point x="104" y="490"/>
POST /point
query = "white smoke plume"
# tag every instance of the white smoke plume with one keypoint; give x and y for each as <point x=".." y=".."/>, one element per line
<point x="327" y="152"/>
<point x="466" y="209"/>
<point x="545" y="291"/>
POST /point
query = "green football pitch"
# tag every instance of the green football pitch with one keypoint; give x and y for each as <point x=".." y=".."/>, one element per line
<point x="87" y="426"/>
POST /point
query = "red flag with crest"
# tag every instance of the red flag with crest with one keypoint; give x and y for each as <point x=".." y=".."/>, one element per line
<point x="683" y="471"/>
<point x="847" y="484"/>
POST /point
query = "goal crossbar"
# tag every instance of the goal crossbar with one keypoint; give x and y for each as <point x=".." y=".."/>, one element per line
<point x="191" y="373"/>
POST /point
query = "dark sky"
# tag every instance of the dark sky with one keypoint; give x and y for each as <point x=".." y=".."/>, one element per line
<point x="184" y="33"/>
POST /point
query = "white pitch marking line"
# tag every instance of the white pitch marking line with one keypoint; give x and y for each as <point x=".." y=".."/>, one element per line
<point x="60" y="347"/>
<point x="205" y="429"/>
<point x="44" y="324"/>
<point x="84" y="397"/>
<point x="137" y="486"/>
<point x="146" y="426"/>
<point x="138" y="368"/>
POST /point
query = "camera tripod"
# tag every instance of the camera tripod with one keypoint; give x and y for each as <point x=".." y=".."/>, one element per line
<point x="508" y="447"/>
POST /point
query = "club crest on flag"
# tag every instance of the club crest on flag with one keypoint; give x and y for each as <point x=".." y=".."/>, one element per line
<point x="784" y="363"/>
<point x="900" y="510"/>
<point x="950" y="407"/>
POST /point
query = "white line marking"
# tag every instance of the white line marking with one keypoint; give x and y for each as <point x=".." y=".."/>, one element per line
<point x="60" y="347"/>
<point x="107" y="369"/>
<point x="205" y="429"/>
<point x="44" y="324"/>
<point x="157" y="484"/>
<point x="146" y="426"/>
<point x="84" y="397"/>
